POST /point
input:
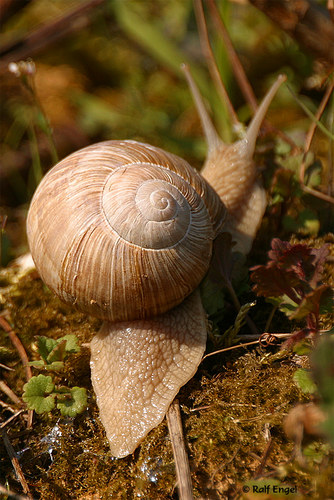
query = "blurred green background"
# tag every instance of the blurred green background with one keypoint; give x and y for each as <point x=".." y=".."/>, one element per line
<point x="113" y="72"/>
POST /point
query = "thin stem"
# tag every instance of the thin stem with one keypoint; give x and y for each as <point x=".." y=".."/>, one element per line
<point x="238" y="70"/>
<point x="270" y="318"/>
<point x="311" y="115"/>
<point x="239" y="346"/>
<point x="11" y="494"/>
<point x="10" y="419"/>
<point x="237" y="305"/>
<point x="312" y="129"/>
<point x="36" y="160"/>
<point x="15" y="463"/>
<point x="208" y="53"/>
<point x="47" y="126"/>
<point x="23" y="355"/>
<point x="174" y="422"/>
<point x="318" y="194"/>
<point x="11" y="394"/>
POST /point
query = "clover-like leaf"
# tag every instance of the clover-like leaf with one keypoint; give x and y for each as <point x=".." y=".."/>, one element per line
<point x="72" y="402"/>
<point x="37" y="394"/>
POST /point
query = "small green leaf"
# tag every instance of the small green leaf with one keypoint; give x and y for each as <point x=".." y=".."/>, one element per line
<point x="303" y="348"/>
<point x="54" y="352"/>
<point x="72" y="345"/>
<point x="73" y="402"/>
<point x="37" y="364"/>
<point x="304" y="381"/>
<point x="45" y="346"/>
<point x="37" y="394"/>
<point x="316" y="452"/>
<point x="55" y="365"/>
<point x="58" y="352"/>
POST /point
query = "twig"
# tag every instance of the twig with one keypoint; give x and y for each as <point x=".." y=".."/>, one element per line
<point x="308" y="142"/>
<point x="18" y="346"/>
<point x="264" y="340"/>
<point x="15" y="463"/>
<point x="11" y="394"/>
<point x="180" y="455"/>
<point x="5" y="367"/>
<point x="34" y="42"/>
<point x="239" y="346"/>
<point x="238" y="70"/>
<point x="207" y="50"/>
<point x="23" y="355"/>
<point x="278" y="335"/>
<point x="240" y="74"/>
<point x="318" y="194"/>
<point x="11" y="494"/>
<point x="310" y="133"/>
<point x="4" y="424"/>
<point x="264" y="458"/>
<point x="7" y="406"/>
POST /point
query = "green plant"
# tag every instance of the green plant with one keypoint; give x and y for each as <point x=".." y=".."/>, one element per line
<point x="41" y="393"/>
<point x="54" y="352"/>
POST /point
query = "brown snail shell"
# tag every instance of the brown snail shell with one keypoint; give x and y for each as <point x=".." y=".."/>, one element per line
<point x="123" y="230"/>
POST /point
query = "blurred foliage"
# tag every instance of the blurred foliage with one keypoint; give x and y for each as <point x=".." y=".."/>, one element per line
<point x="322" y="359"/>
<point x="115" y="74"/>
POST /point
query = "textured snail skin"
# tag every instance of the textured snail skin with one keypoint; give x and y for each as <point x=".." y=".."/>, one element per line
<point x="124" y="231"/>
<point x="230" y="169"/>
<point x="241" y="190"/>
<point x="139" y="367"/>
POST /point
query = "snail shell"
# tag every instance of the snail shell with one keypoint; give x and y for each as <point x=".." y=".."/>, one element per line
<point x="123" y="230"/>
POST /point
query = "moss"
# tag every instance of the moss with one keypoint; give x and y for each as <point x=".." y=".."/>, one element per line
<point x="233" y="410"/>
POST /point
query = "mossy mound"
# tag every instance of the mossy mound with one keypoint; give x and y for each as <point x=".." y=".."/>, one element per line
<point x="232" y="411"/>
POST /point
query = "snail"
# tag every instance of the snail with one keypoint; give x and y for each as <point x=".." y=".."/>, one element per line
<point x="124" y="231"/>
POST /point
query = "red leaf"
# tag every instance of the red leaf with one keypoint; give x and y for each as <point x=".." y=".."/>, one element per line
<point x="293" y="270"/>
<point x="271" y="281"/>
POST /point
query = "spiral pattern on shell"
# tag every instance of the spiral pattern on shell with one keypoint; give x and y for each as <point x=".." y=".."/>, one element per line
<point x="123" y="230"/>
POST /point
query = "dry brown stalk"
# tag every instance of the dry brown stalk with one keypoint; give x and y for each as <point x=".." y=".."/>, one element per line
<point x="308" y="142"/>
<point x="23" y="355"/>
<point x="15" y="463"/>
<point x="11" y="394"/>
<point x="179" y="451"/>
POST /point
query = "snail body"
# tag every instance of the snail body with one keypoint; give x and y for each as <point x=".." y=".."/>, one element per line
<point x="124" y="231"/>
